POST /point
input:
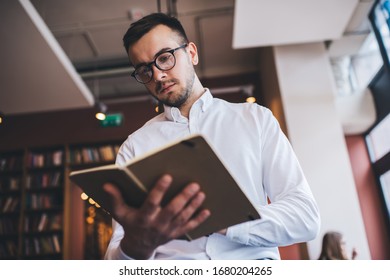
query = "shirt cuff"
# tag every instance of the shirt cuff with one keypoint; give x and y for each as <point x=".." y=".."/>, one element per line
<point x="239" y="233"/>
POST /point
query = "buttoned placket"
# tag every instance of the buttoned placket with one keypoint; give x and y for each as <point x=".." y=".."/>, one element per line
<point x="193" y="122"/>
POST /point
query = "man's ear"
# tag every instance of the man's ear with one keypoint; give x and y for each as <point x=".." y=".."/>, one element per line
<point x="194" y="53"/>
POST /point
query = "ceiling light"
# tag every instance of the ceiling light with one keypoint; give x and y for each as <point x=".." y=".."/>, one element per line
<point x="100" y="116"/>
<point x="102" y="109"/>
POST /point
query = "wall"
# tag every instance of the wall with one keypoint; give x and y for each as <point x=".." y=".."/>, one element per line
<point x="369" y="197"/>
<point x="272" y="98"/>
<point x="67" y="127"/>
<point x="307" y="90"/>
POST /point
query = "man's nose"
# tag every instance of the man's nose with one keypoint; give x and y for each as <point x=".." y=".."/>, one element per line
<point x="158" y="74"/>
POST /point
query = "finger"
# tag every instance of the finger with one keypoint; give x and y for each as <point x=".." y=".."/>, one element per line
<point x="192" y="223"/>
<point x="155" y="196"/>
<point x="191" y="208"/>
<point x="178" y="203"/>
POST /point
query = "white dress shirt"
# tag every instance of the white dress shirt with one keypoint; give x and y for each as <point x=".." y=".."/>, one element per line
<point x="249" y="141"/>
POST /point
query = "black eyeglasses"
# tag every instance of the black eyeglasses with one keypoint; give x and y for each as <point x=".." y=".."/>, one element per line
<point x="164" y="61"/>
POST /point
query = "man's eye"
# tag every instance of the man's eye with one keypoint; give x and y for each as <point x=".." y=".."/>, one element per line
<point x="164" y="58"/>
<point x="143" y="71"/>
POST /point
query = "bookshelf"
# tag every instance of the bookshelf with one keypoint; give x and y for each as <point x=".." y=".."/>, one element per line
<point x="41" y="213"/>
<point x="96" y="225"/>
<point x="43" y="204"/>
<point x="11" y="181"/>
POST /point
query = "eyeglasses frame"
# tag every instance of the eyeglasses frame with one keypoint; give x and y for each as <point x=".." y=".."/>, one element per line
<point x="150" y="64"/>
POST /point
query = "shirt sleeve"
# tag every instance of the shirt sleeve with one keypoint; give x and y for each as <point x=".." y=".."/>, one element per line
<point x="292" y="215"/>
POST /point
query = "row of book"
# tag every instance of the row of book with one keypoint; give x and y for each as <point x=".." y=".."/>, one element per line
<point x="9" y="225"/>
<point x="8" y="249"/>
<point x="33" y="246"/>
<point x="42" y="222"/>
<point x="45" y="159"/>
<point x="93" y="154"/>
<point x="9" y="204"/>
<point x="56" y="158"/>
<point x="44" y="180"/>
<point x="32" y="223"/>
<point x="33" y="202"/>
<point x="43" y="201"/>
<point x="11" y="163"/>
<point x="42" y="245"/>
<point x="10" y="183"/>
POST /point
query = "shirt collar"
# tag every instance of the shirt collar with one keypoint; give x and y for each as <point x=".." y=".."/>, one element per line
<point x="204" y="102"/>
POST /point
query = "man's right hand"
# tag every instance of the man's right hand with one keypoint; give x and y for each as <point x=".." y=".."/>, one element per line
<point x="151" y="225"/>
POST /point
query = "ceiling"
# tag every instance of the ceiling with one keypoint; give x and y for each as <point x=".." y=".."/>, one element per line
<point x="63" y="54"/>
<point x="290" y="22"/>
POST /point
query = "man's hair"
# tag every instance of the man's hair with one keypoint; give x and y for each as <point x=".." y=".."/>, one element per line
<point x="144" y="25"/>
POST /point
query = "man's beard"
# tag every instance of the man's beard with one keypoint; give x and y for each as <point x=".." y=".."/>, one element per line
<point x="183" y="96"/>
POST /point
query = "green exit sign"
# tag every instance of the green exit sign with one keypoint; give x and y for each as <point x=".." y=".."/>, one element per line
<point x="112" y="120"/>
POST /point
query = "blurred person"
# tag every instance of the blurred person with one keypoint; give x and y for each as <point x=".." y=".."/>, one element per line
<point x="333" y="247"/>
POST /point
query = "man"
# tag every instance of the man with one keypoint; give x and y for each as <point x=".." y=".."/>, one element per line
<point x="246" y="136"/>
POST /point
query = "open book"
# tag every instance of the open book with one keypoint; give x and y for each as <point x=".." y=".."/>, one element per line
<point x="189" y="160"/>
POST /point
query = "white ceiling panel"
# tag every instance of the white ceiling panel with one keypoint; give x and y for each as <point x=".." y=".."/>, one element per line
<point x="37" y="75"/>
<point x="278" y="22"/>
